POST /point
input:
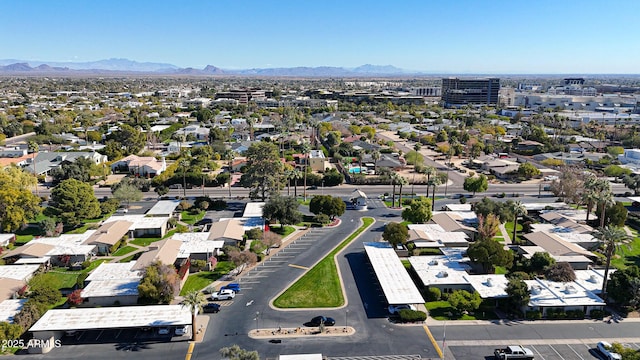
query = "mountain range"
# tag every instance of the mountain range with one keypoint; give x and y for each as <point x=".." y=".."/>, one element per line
<point x="125" y="66"/>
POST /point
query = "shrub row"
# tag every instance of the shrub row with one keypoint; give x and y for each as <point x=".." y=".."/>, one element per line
<point x="407" y="315"/>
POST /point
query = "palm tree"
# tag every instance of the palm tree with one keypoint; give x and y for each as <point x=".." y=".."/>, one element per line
<point x="590" y="193"/>
<point x="194" y="301"/>
<point x="305" y="150"/>
<point x="228" y="156"/>
<point x="296" y="175"/>
<point x="433" y="182"/>
<point x="429" y="171"/>
<point x="401" y="181"/>
<point x="184" y="163"/>
<point x="518" y="209"/>
<point x="394" y="180"/>
<point x="34" y="148"/>
<point x="603" y="198"/>
<point x="375" y="155"/>
<point x="612" y="237"/>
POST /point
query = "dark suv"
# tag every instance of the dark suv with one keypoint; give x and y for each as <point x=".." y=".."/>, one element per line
<point x="211" y="308"/>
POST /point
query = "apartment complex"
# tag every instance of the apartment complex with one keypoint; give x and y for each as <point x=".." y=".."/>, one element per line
<point x="459" y="92"/>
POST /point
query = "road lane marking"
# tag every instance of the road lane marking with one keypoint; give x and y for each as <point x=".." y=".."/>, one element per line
<point x="298" y="266"/>
<point x="192" y="344"/>
<point x="433" y="341"/>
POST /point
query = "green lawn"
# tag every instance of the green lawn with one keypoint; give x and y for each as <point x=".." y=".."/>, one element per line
<point x="301" y="201"/>
<point x="189" y="218"/>
<point x="442" y="310"/>
<point x="57" y="278"/>
<point x="509" y="227"/>
<point x="130" y="257"/>
<point x="23" y="239"/>
<point x="320" y="286"/>
<point x="124" y="250"/>
<point x="282" y="231"/>
<point x="626" y="255"/>
<point x="145" y="241"/>
<point x="202" y="279"/>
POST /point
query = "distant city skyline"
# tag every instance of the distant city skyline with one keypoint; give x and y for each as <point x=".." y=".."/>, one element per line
<point x="439" y="36"/>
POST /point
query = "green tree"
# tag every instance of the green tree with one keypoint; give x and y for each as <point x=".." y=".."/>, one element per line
<point x="414" y="158"/>
<point x="10" y="331"/>
<point x="265" y="172"/>
<point x="560" y="272"/>
<point x="328" y="205"/>
<point x="464" y="301"/>
<point x="624" y="286"/>
<point x="476" y="184"/>
<point x="73" y="202"/>
<point x="234" y="352"/>
<point x="332" y="178"/>
<point x="131" y="140"/>
<point x="615" y="215"/>
<point x="489" y="254"/>
<point x="283" y="209"/>
<point x="161" y="190"/>
<point x="395" y="233"/>
<point x="612" y="238"/>
<point x="616" y="171"/>
<point x="127" y="193"/>
<point x="419" y="211"/>
<point x="159" y="284"/>
<point x="540" y="261"/>
<point x="528" y="170"/>
<point x="17" y="203"/>
<point x="194" y="301"/>
<point x="518" y="294"/>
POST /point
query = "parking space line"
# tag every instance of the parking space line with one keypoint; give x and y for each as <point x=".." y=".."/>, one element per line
<point x="118" y="334"/>
<point x="556" y="351"/>
<point x="575" y="352"/>
<point x="299" y="267"/>
<point x="99" y="334"/>
<point x="433" y="340"/>
<point x="536" y="350"/>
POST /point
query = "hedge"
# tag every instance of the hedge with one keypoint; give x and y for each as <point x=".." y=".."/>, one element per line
<point x="407" y="315"/>
<point x="534" y="315"/>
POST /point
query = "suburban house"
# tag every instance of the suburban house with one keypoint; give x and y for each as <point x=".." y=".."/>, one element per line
<point x="197" y="246"/>
<point x="434" y="236"/>
<point x="164" y="208"/>
<point x="47" y="161"/>
<point x="451" y="221"/>
<point x="165" y="251"/>
<point x="317" y="160"/>
<point x="13" y="278"/>
<point x="230" y="231"/>
<point x="6" y="239"/>
<point x="108" y="235"/>
<point x="560" y="249"/>
<point x="144" y="166"/>
<point x="143" y="226"/>
<point x="64" y="250"/>
<point x="112" y="284"/>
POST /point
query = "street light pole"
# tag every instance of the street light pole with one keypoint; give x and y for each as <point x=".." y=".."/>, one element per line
<point x="346" y="317"/>
<point x="257" y="320"/>
<point x="323" y="187"/>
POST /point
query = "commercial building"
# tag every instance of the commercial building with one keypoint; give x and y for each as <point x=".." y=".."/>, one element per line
<point x="459" y="92"/>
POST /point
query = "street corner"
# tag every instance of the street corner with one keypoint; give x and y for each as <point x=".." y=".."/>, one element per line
<point x="281" y="333"/>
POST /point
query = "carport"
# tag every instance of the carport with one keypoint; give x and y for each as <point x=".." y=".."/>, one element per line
<point x="53" y="324"/>
<point x="397" y="285"/>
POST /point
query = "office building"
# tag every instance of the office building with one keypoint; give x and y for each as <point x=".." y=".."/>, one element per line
<point x="459" y="92"/>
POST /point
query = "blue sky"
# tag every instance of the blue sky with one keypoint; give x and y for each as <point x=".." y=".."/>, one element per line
<point x="455" y="36"/>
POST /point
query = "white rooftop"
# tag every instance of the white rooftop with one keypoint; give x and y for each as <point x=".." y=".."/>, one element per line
<point x="547" y="293"/>
<point x="113" y="287"/>
<point x="592" y="279"/>
<point x="489" y="285"/>
<point x="253" y="209"/>
<point x="301" y="357"/>
<point x="114" y="271"/>
<point x="543" y="206"/>
<point x="528" y="252"/>
<point x="397" y="285"/>
<point x="458" y="207"/>
<point x="164" y="207"/>
<point x="6" y="237"/>
<point x="9" y="308"/>
<point x="140" y="221"/>
<point x="439" y="270"/>
<point x="249" y="222"/>
<point x="18" y="272"/>
<point x="27" y="260"/>
<point x="113" y="317"/>
<point x="197" y="243"/>
<point x="464" y="216"/>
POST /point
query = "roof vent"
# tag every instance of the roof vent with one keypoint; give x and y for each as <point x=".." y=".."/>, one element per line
<point x="489" y="283"/>
<point x="433" y="262"/>
<point x="593" y="279"/>
<point x="443" y="274"/>
<point x="570" y="289"/>
<point x="535" y="290"/>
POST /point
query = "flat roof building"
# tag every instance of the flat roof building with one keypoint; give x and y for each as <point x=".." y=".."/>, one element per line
<point x="460" y="92"/>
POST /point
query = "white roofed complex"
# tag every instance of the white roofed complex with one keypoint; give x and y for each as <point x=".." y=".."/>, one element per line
<point x="397" y="285"/>
<point x="163" y="208"/>
<point x="253" y="209"/>
<point x="9" y="308"/>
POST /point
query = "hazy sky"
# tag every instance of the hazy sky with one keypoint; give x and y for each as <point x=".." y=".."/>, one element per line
<point x="457" y="36"/>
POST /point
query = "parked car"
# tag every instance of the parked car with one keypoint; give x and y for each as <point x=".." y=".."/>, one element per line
<point x="211" y="308"/>
<point x="395" y="309"/>
<point x="605" y="348"/>
<point x="181" y="330"/>
<point x="232" y="286"/>
<point x="223" y="295"/>
<point x="163" y="331"/>
<point x="327" y="321"/>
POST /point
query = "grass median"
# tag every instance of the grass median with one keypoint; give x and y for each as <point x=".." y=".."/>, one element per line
<point x="320" y="286"/>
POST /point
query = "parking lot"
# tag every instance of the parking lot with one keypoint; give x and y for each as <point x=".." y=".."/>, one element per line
<point x="570" y="350"/>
